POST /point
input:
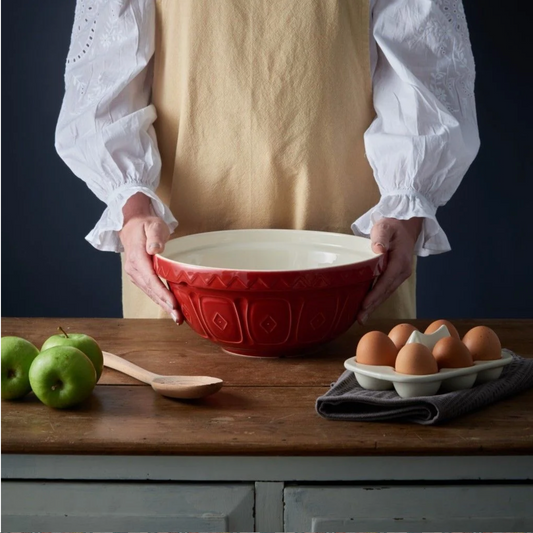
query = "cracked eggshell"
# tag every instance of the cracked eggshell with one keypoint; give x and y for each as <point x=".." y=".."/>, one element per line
<point x="428" y="340"/>
<point x="434" y="326"/>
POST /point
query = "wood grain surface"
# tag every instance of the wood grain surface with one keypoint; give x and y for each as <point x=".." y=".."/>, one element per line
<point x="267" y="407"/>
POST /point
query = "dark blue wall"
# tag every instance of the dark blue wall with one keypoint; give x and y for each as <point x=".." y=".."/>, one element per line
<point x="48" y="269"/>
<point x="489" y="223"/>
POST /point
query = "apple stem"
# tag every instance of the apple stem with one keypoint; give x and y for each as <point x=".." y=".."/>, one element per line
<point x="63" y="331"/>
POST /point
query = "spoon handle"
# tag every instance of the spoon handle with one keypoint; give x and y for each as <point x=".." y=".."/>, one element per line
<point x="117" y="363"/>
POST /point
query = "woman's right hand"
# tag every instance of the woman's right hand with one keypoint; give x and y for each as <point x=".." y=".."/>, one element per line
<point x="144" y="235"/>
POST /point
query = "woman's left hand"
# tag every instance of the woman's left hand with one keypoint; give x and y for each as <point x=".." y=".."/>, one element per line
<point x="396" y="238"/>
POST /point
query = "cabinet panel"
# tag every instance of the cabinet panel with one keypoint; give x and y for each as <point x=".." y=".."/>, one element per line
<point x="59" y="506"/>
<point x="428" y="508"/>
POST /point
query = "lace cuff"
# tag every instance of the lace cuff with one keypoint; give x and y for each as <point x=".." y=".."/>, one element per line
<point x="404" y="205"/>
<point x="105" y="237"/>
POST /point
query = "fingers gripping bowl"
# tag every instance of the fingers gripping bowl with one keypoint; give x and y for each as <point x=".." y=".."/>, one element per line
<point x="269" y="293"/>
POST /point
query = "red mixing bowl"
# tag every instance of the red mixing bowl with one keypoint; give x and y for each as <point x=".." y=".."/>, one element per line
<point x="269" y="293"/>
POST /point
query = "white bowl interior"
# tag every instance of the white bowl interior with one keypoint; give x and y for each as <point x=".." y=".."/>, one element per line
<point x="269" y="249"/>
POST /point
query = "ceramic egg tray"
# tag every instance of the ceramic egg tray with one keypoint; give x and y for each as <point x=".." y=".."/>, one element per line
<point x="379" y="378"/>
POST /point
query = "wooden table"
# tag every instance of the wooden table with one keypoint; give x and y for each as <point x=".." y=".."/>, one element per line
<point x="255" y="456"/>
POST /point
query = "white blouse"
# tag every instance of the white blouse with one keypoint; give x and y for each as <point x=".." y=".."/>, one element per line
<point x="420" y="144"/>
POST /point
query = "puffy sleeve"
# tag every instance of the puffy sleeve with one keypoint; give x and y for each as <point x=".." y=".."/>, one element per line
<point x="105" y="129"/>
<point x="425" y="134"/>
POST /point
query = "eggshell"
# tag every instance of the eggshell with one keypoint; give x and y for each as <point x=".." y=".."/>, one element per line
<point x="375" y="348"/>
<point x="450" y="352"/>
<point x="428" y="339"/>
<point x="416" y="359"/>
<point x="483" y="343"/>
<point x="400" y="333"/>
<point x="434" y="326"/>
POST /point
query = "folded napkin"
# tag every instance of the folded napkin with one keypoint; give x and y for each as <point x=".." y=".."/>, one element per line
<point x="347" y="400"/>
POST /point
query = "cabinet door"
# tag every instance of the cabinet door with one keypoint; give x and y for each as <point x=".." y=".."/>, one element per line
<point x="60" y="506"/>
<point x="409" y="508"/>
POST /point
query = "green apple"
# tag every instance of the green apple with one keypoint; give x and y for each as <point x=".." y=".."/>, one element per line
<point x="83" y="342"/>
<point x="62" y="376"/>
<point x="17" y="356"/>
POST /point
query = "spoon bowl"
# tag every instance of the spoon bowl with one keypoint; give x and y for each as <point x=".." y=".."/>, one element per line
<point x="186" y="387"/>
<point x="183" y="387"/>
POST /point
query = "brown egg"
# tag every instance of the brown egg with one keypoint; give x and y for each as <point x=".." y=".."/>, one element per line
<point x="483" y="343"/>
<point x="450" y="352"/>
<point x="400" y="333"/>
<point x="434" y="326"/>
<point x="415" y="359"/>
<point x="375" y="348"/>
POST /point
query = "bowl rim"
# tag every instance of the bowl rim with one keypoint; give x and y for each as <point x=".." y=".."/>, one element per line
<point x="371" y="261"/>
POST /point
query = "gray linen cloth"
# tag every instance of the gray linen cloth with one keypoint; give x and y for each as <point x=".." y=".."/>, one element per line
<point x="347" y="400"/>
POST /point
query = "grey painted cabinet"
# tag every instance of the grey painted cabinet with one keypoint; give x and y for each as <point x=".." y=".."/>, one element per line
<point x="90" y="506"/>
<point x="266" y="494"/>
<point x="412" y="508"/>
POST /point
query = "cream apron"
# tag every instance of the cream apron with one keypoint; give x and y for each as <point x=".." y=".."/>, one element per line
<point x="262" y="106"/>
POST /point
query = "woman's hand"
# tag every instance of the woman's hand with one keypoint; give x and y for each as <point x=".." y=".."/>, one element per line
<point x="397" y="238"/>
<point x="143" y="235"/>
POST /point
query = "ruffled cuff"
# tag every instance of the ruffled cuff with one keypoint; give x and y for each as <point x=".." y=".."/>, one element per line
<point x="105" y="237"/>
<point x="403" y="205"/>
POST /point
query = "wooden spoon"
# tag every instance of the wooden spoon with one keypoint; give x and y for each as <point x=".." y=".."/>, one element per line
<point x="185" y="387"/>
